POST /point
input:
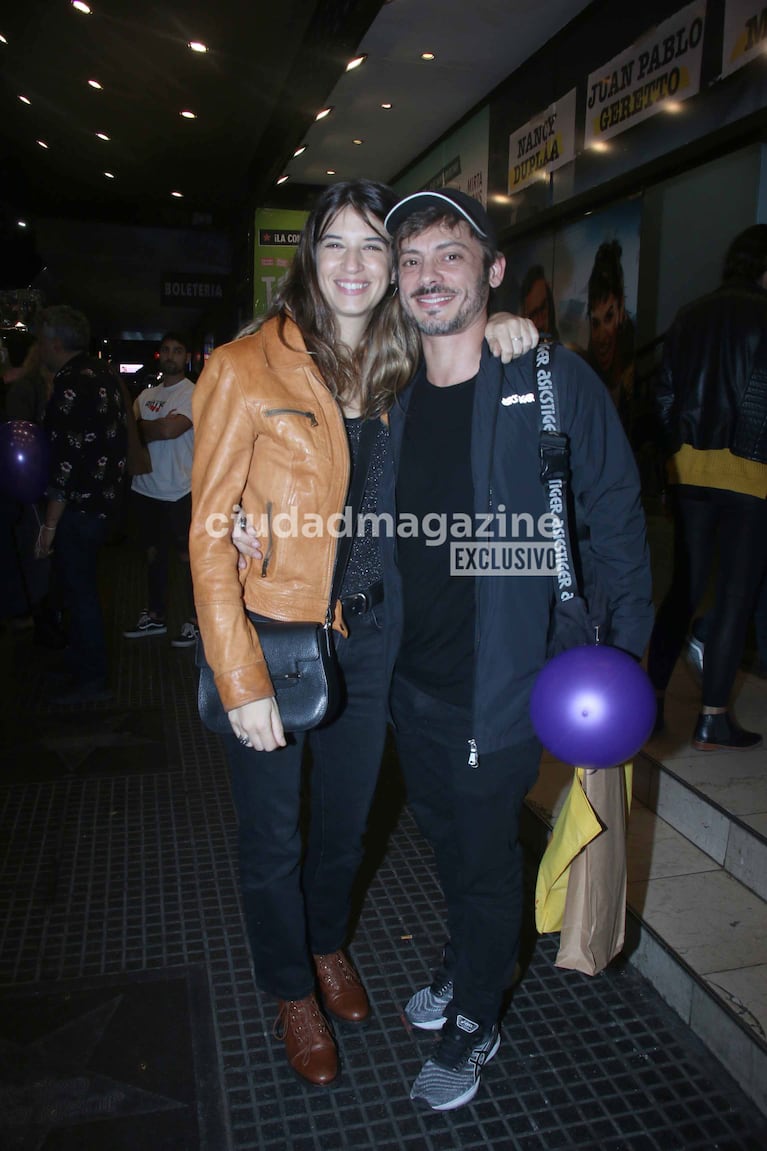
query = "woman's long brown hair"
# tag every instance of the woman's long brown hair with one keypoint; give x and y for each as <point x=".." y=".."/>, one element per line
<point x="370" y="375"/>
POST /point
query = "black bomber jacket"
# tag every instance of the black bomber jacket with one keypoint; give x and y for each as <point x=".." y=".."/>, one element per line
<point x="712" y="390"/>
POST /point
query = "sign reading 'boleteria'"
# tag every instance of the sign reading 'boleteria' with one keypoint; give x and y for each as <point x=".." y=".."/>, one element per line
<point x="745" y="33"/>
<point x="661" y="67"/>
<point x="542" y="144"/>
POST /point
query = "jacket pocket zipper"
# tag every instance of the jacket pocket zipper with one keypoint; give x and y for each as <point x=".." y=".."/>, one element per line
<point x="310" y="416"/>
<point x="473" y="754"/>
<point x="268" y="552"/>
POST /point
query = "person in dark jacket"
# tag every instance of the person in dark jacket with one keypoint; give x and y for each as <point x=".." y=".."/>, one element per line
<point x="712" y="402"/>
<point x="463" y="482"/>
<point x="85" y="424"/>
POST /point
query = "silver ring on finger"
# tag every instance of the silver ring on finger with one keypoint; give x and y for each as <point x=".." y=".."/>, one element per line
<point x="516" y="339"/>
<point x="243" y="739"/>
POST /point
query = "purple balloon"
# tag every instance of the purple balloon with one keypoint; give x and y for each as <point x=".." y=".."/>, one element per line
<point x="593" y="706"/>
<point x="24" y="461"/>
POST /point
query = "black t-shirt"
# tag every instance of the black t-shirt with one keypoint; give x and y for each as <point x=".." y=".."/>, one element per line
<point x="434" y="484"/>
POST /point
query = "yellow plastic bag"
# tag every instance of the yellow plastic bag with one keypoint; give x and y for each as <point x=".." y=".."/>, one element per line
<point x="576" y="826"/>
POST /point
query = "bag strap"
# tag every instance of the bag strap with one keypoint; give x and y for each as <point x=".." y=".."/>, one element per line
<point x="368" y="434"/>
<point x="554" y="454"/>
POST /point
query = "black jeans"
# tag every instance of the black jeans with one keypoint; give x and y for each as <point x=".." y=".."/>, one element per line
<point x="292" y="910"/>
<point x="470" y="816"/>
<point x="79" y="539"/>
<point x="711" y="525"/>
<point x="164" y="524"/>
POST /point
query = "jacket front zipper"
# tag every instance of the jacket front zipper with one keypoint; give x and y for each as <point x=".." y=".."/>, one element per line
<point x="473" y="753"/>
<point x="268" y="552"/>
<point x="310" y="416"/>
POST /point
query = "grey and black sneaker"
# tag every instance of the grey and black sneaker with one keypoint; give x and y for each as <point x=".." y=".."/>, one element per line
<point x="147" y="625"/>
<point x="426" y="1009"/>
<point x="450" y="1078"/>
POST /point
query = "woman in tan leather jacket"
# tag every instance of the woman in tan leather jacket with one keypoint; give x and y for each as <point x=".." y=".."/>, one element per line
<point x="277" y="415"/>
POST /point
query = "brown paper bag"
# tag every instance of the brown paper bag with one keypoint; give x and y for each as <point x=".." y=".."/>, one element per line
<point x="594" y="920"/>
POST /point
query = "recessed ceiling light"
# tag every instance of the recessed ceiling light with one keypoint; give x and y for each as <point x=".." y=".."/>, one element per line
<point x="427" y="55"/>
<point x="358" y="141"/>
<point x="299" y="151"/>
<point x="188" y="114"/>
<point x="94" y="84"/>
<point x="355" y="63"/>
<point x="330" y="172"/>
<point x="198" y="46"/>
<point x="325" y="112"/>
<point x="21" y="223"/>
<point x="386" y="106"/>
<point x="178" y="195"/>
<point x="3" y="39"/>
<point x="42" y="143"/>
<point x="599" y="146"/>
<point x="103" y="136"/>
<point x="25" y="99"/>
<point x="282" y="179"/>
<point x="81" y="7"/>
<point x="109" y="175"/>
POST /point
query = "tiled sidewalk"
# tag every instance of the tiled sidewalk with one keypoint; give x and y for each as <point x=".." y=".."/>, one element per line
<point x="128" y="1016"/>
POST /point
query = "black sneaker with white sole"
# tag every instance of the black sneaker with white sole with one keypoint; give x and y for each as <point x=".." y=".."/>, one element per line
<point x="451" y="1077"/>
<point x="147" y="625"/>
<point x="187" y="636"/>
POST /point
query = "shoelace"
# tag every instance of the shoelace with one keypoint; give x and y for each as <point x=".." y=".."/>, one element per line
<point x="441" y="989"/>
<point x="304" y="1019"/>
<point x="455" y="1048"/>
<point x="338" y="974"/>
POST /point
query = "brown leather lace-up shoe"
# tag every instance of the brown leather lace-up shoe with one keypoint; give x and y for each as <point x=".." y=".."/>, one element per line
<point x="309" y="1045"/>
<point x="341" y="989"/>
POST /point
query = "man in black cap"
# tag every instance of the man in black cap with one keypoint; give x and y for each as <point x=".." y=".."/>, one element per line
<point x="464" y="652"/>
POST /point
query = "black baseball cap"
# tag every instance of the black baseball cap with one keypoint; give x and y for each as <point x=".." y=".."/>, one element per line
<point x="461" y="202"/>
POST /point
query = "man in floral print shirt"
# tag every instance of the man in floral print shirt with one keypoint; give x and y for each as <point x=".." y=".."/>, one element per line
<point x="85" y="423"/>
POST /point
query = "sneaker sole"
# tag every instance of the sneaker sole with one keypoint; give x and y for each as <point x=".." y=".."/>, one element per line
<point x="432" y="1025"/>
<point x="460" y="1100"/>
<point x="183" y="642"/>
<point x="144" y="634"/>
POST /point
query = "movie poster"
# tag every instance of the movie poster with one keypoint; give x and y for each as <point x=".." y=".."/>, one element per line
<point x="278" y="231"/>
<point x="579" y="286"/>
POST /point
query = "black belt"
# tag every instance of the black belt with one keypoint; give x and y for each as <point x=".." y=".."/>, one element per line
<point x="360" y="602"/>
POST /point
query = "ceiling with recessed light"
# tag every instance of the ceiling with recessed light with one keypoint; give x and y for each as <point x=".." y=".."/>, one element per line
<point x="111" y="113"/>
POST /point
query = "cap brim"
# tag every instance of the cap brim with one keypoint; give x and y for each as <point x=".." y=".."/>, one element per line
<point x="420" y="200"/>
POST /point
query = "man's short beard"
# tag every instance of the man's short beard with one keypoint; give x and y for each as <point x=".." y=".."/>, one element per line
<point x="475" y="303"/>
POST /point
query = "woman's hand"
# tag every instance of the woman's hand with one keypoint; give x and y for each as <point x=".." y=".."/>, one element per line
<point x="258" y="724"/>
<point x="245" y="540"/>
<point x="510" y="336"/>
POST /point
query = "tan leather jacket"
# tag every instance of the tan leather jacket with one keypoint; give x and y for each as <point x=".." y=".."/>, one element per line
<point x="270" y="437"/>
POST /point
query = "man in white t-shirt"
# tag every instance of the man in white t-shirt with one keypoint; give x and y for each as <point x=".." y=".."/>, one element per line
<point x="162" y="498"/>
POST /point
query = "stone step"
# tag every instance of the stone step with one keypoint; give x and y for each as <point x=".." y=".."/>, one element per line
<point x="695" y="928"/>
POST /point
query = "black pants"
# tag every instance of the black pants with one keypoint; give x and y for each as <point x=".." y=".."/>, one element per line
<point x="470" y="816"/>
<point x="296" y="907"/>
<point x="164" y="524"/>
<point x="711" y="525"/>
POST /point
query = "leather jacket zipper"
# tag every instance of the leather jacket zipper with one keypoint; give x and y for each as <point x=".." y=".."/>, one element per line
<point x="269" y="540"/>
<point x="310" y="416"/>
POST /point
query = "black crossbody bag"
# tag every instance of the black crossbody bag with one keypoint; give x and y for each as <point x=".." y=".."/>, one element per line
<point x="300" y="657"/>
